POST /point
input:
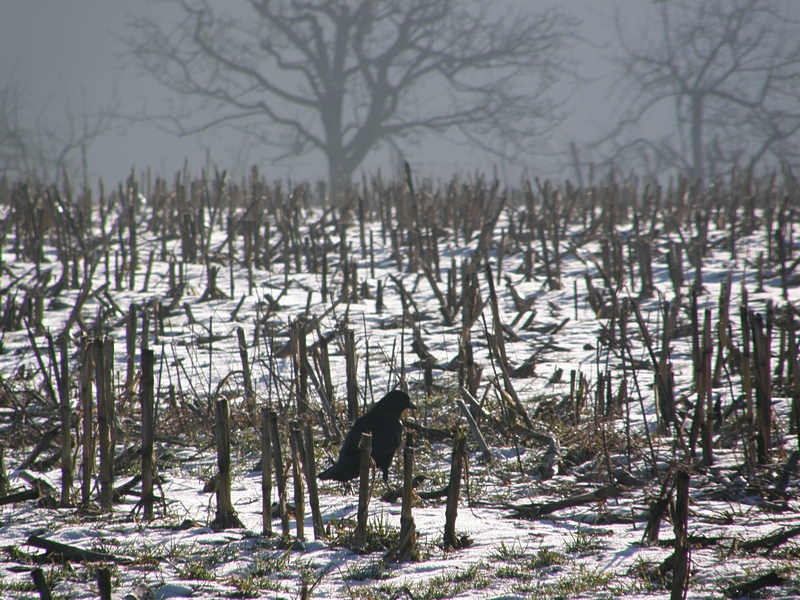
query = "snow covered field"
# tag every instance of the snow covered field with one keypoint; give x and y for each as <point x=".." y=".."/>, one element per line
<point x="593" y="550"/>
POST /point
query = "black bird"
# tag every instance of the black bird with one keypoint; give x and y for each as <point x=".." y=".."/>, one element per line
<point x="383" y="422"/>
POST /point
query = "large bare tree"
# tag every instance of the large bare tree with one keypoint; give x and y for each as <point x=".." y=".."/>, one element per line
<point x="341" y="76"/>
<point x="729" y="70"/>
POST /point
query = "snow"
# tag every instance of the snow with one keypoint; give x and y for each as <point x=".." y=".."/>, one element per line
<point x="598" y="543"/>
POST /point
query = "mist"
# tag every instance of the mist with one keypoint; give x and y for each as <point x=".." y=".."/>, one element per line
<point x="70" y="63"/>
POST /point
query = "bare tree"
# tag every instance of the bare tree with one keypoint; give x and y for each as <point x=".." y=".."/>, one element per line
<point x="15" y="154"/>
<point x="31" y="145"/>
<point x="340" y="76"/>
<point x="730" y="70"/>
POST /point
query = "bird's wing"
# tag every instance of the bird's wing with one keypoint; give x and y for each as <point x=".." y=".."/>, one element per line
<point x="353" y="438"/>
<point x="386" y="440"/>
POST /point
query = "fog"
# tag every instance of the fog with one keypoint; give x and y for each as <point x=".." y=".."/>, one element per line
<point x="73" y="54"/>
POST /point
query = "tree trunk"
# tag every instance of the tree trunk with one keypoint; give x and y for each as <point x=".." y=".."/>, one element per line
<point x="697" y="137"/>
<point x="338" y="174"/>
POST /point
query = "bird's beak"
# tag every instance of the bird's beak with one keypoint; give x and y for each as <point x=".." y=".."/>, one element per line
<point x="412" y="405"/>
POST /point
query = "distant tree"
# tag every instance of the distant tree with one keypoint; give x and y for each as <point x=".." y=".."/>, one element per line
<point x="730" y="70"/>
<point x="15" y="154"/>
<point x="341" y="76"/>
<point x="30" y="145"/>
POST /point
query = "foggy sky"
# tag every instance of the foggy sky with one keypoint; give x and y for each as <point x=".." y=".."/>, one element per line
<point x="67" y="50"/>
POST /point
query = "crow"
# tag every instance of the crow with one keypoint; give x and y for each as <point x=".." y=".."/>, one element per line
<point x="383" y="422"/>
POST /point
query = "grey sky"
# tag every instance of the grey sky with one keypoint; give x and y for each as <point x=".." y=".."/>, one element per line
<point x="65" y="50"/>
